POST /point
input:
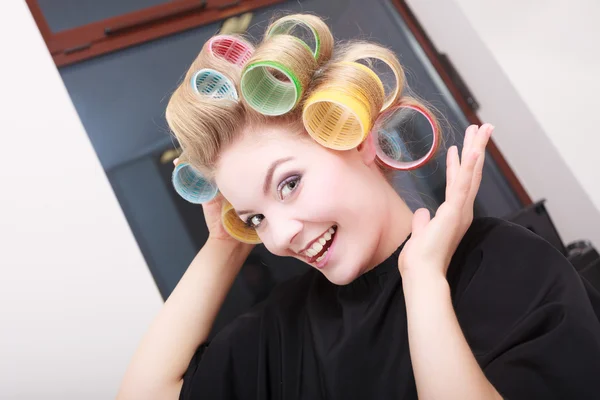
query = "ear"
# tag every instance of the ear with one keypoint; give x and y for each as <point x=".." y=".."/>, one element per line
<point x="367" y="150"/>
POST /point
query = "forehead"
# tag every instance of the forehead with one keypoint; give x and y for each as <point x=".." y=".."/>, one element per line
<point x="248" y="158"/>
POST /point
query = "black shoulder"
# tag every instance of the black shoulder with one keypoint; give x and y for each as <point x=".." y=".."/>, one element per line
<point x="504" y="272"/>
<point x="525" y="313"/>
<point x="495" y="246"/>
<point x="495" y="233"/>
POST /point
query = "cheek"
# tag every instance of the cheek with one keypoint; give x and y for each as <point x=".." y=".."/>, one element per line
<point x="337" y="189"/>
<point x="323" y="195"/>
<point x="270" y="246"/>
<point x="342" y="189"/>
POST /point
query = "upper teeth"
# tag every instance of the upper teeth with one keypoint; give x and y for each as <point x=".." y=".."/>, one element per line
<point x="317" y="246"/>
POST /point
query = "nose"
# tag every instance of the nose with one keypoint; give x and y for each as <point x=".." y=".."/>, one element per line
<point x="283" y="232"/>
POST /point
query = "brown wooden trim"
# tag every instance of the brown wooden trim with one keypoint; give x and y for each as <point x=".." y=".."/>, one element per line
<point x="95" y="31"/>
<point x="39" y="19"/>
<point x="92" y="40"/>
<point x="433" y="55"/>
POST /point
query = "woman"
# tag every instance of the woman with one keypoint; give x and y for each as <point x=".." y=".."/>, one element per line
<point x="397" y="305"/>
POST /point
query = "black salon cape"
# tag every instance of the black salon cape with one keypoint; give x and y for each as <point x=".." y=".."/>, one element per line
<point x="521" y="305"/>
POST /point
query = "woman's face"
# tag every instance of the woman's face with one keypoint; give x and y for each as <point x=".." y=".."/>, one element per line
<point x="305" y="201"/>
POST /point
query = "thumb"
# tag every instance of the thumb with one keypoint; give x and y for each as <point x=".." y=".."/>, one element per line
<point x="420" y="220"/>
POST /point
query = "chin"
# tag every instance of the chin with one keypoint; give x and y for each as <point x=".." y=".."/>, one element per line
<point x="338" y="273"/>
<point x="343" y="273"/>
<point x="346" y="263"/>
<point x="340" y="278"/>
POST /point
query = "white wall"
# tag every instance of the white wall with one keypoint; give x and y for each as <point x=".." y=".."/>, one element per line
<point x="75" y="293"/>
<point x="534" y="67"/>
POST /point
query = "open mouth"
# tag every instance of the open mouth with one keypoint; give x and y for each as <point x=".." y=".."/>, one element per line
<point x="318" y="251"/>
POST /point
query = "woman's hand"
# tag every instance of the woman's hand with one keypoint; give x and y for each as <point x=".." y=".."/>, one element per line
<point x="212" y="215"/>
<point x="433" y="242"/>
<point x="443" y="364"/>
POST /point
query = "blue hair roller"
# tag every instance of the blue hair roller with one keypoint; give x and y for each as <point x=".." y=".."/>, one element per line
<point x="191" y="185"/>
<point x="213" y="84"/>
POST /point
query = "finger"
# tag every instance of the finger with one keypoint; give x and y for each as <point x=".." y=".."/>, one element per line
<point x="452" y="167"/>
<point x="483" y="139"/>
<point x="175" y="161"/>
<point x="475" y="181"/>
<point x="217" y="199"/>
<point x="468" y="140"/>
<point x="420" y="220"/>
<point x="462" y="186"/>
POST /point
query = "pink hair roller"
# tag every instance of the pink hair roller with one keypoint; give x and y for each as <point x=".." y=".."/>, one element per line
<point x="400" y="135"/>
<point x="231" y="48"/>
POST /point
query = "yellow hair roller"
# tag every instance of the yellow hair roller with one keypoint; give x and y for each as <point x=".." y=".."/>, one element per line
<point x="236" y="228"/>
<point x="340" y="113"/>
<point x="366" y="51"/>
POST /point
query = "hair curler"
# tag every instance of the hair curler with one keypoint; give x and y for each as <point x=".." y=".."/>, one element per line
<point x="314" y="26"/>
<point x="191" y="185"/>
<point x="368" y="51"/>
<point x="274" y="80"/>
<point x="231" y="48"/>
<point x="267" y="94"/>
<point x="213" y="84"/>
<point x="340" y="113"/>
<point x="236" y="228"/>
<point x="391" y="135"/>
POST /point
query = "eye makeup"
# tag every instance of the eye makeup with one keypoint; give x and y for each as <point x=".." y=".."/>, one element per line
<point x="285" y="188"/>
<point x="288" y="186"/>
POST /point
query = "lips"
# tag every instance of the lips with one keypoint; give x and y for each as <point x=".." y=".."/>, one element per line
<point x="317" y="249"/>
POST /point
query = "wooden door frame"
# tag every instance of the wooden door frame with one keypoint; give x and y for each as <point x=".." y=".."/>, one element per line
<point x="116" y="33"/>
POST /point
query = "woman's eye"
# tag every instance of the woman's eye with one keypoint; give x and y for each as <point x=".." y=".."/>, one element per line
<point x="254" y="220"/>
<point x="288" y="186"/>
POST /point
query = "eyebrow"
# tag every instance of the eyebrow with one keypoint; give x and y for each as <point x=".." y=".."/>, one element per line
<point x="268" y="179"/>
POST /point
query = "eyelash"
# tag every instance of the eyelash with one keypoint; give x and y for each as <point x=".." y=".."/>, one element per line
<point x="292" y="179"/>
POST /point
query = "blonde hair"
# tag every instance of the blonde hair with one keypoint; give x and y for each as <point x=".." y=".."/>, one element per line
<point x="204" y="126"/>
